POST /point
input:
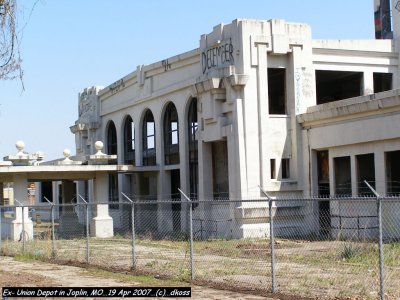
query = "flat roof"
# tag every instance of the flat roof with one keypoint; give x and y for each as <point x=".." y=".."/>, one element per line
<point x="60" y="172"/>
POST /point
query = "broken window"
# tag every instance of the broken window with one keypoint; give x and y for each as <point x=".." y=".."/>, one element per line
<point x="342" y="168"/>
<point x="285" y="165"/>
<point x="149" y="139"/>
<point x="129" y="141"/>
<point x="382" y="82"/>
<point x="337" y="85"/>
<point x="277" y="91"/>
<point x="393" y="173"/>
<point x="365" y="172"/>
<point x="171" y="135"/>
<point x="193" y="152"/>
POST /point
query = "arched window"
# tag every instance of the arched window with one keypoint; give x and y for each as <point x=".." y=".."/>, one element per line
<point x="112" y="178"/>
<point x="193" y="152"/>
<point x="111" y="138"/>
<point x="171" y="135"/>
<point x="129" y="141"/>
<point x="149" y="139"/>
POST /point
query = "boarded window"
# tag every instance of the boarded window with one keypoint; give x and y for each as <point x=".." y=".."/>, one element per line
<point x="337" y="85"/>
<point x="323" y="173"/>
<point x="277" y="91"/>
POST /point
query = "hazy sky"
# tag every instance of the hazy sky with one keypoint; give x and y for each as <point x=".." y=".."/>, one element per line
<point x="70" y="45"/>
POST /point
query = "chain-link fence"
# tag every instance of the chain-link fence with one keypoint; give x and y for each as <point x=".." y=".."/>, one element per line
<point x="325" y="247"/>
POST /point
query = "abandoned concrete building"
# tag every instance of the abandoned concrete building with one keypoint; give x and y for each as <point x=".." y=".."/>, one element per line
<point x="258" y="104"/>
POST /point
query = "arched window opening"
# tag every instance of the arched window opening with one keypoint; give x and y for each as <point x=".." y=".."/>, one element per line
<point x="129" y="141"/>
<point x="171" y="135"/>
<point x="149" y="139"/>
<point x="193" y="152"/>
<point x="112" y="143"/>
<point x="111" y="138"/>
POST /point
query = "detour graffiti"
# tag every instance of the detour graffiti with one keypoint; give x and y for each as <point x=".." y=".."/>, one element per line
<point x="216" y="56"/>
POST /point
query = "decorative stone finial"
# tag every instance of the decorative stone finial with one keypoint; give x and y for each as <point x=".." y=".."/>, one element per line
<point x="100" y="158"/>
<point x="99" y="146"/>
<point x="20" y="145"/>
<point x="67" y="160"/>
<point x="67" y="154"/>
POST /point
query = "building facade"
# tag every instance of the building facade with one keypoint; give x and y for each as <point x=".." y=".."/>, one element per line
<point x="258" y="104"/>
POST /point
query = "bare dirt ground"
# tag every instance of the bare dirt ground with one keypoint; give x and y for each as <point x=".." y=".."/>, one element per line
<point x="36" y="273"/>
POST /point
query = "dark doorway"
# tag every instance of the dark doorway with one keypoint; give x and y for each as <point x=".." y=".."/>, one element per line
<point x="220" y="170"/>
<point x="342" y="170"/>
<point x="365" y="172"/>
<point x="393" y="173"/>
<point x="47" y="191"/>
<point x="175" y="195"/>
<point x="324" y="211"/>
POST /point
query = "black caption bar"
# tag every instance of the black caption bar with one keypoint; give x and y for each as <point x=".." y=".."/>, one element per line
<point x="178" y="292"/>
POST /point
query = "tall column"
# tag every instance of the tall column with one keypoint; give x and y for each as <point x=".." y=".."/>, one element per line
<point x="396" y="37"/>
<point x="1" y="193"/>
<point x="102" y="224"/>
<point x="263" y="111"/>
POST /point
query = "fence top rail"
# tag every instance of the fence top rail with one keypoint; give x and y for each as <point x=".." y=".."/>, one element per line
<point x="264" y="201"/>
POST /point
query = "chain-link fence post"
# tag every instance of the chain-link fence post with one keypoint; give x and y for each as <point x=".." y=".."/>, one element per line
<point x="380" y="241"/>
<point x="23" y="229"/>
<point x="271" y="241"/>
<point x="190" y="233"/>
<point x="133" y="230"/>
<point x="87" y="233"/>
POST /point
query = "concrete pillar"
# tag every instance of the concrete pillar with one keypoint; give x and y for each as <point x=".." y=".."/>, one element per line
<point x="396" y="37"/>
<point x="205" y="171"/>
<point x="1" y="194"/>
<point x="354" y="177"/>
<point x="164" y="211"/>
<point x="102" y="224"/>
<point x="263" y="111"/>
<point x="368" y="83"/>
<point x="380" y="176"/>
<point x="21" y="214"/>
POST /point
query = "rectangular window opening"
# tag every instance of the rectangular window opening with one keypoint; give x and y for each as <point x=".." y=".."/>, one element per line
<point x="285" y="165"/>
<point x="277" y="91"/>
<point x="393" y="173"/>
<point x="337" y="85"/>
<point x="382" y="82"/>
<point x="365" y="172"/>
<point x="342" y="168"/>
<point x="273" y="168"/>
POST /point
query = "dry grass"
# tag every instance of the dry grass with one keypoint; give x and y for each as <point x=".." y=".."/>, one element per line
<point x="313" y="269"/>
